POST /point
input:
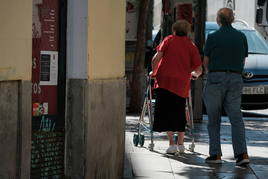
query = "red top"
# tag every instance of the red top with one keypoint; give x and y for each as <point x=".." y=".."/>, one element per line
<point x="180" y="58"/>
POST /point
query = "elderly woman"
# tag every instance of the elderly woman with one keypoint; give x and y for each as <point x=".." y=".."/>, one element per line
<point x="177" y="61"/>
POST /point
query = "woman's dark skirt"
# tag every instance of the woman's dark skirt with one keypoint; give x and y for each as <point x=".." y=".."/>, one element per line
<point x="169" y="114"/>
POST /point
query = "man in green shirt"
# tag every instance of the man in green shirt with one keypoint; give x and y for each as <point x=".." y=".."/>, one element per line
<point x="225" y="53"/>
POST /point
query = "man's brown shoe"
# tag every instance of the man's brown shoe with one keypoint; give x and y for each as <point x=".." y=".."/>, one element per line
<point x="214" y="159"/>
<point x="242" y="159"/>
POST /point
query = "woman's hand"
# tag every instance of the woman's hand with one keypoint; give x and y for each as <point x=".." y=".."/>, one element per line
<point x="194" y="75"/>
<point x="152" y="75"/>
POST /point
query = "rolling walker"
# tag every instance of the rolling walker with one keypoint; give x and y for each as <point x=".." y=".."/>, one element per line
<point x="147" y="125"/>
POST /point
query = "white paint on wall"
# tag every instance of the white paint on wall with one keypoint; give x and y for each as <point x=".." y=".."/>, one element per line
<point x="157" y="14"/>
<point x="246" y="10"/>
<point x="77" y="39"/>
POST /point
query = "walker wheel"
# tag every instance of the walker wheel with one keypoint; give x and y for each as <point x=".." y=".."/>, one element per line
<point x="141" y="140"/>
<point x="151" y="147"/>
<point x="136" y="140"/>
<point x="191" y="147"/>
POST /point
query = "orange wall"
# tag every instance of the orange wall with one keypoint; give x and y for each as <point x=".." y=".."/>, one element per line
<point x="15" y="40"/>
<point x="106" y="39"/>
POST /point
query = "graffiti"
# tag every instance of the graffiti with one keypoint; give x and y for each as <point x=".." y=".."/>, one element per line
<point x="47" y="124"/>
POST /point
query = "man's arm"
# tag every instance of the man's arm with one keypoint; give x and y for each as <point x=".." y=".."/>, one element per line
<point x="205" y="64"/>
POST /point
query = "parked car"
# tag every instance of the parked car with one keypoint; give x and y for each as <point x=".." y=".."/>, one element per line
<point x="255" y="75"/>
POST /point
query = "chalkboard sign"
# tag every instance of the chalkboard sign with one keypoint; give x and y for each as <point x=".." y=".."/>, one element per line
<point x="47" y="159"/>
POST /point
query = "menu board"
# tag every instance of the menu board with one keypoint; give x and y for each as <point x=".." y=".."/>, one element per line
<point x="47" y="148"/>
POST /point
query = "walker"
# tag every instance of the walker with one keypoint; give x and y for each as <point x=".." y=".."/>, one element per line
<point x="147" y="111"/>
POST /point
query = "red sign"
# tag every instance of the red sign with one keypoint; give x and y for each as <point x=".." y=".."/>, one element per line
<point x="45" y="35"/>
<point x="184" y="11"/>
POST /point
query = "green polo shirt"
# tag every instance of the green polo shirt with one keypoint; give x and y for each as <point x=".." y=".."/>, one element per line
<point x="226" y="49"/>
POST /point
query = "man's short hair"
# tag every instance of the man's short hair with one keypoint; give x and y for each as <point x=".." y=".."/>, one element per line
<point x="181" y="27"/>
<point x="225" y="16"/>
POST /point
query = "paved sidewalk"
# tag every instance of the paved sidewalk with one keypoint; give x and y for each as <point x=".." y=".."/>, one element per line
<point x="141" y="163"/>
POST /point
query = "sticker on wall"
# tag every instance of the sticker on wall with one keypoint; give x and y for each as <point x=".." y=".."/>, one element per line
<point x="36" y="110"/>
<point x="40" y="109"/>
<point x="45" y="108"/>
<point x="49" y="68"/>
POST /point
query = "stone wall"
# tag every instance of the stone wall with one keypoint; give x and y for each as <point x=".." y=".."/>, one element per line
<point x="95" y="129"/>
<point x="15" y="129"/>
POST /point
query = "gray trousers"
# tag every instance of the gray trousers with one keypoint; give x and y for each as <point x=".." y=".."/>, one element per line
<point x="223" y="90"/>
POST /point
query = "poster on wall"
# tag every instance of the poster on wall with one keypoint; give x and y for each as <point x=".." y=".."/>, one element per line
<point x="131" y="20"/>
<point x="45" y="35"/>
<point x="49" y="68"/>
<point x="184" y="12"/>
<point x="229" y="3"/>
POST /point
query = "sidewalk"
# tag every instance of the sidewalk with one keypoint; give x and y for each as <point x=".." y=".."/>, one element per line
<point x="141" y="163"/>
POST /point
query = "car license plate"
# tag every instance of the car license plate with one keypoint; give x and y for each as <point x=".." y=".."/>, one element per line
<point x="254" y="90"/>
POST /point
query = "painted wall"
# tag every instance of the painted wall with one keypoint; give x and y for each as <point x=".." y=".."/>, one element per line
<point x="244" y="9"/>
<point x="15" y="40"/>
<point x="106" y="39"/>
